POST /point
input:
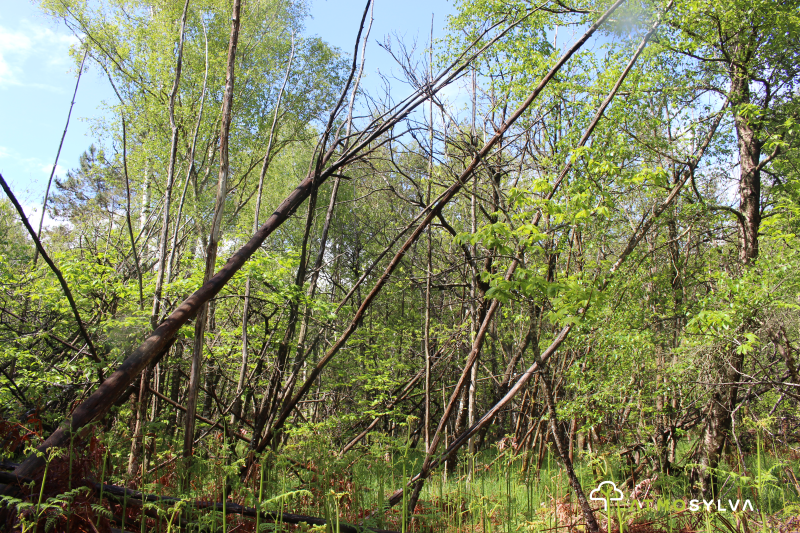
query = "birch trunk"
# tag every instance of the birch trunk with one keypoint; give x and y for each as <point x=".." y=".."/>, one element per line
<point x="214" y="237"/>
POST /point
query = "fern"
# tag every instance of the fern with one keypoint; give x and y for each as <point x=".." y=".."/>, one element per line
<point x="51" y="521"/>
<point x="11" y="501"/>
<point x="162" y="513"/>
<point x="102" y="511"/>
<point x="280" y="498"/>
<point x="68" y="497"/>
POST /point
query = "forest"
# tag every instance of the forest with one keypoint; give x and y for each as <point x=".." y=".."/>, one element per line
<point x="547" y="279"/>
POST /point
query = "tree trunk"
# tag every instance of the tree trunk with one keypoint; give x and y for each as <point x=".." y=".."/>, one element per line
<point x="749" y="173"/>
<point x="135" y="457"/>
<point x="723" y="399"/>
<point x="173" y="154"/>
<point x="213" y="242"/>
<point x="560" y="444"/>
<point x="237" y="411"/>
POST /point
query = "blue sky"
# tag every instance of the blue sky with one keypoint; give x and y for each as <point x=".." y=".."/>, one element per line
<point x="37" y="78"/>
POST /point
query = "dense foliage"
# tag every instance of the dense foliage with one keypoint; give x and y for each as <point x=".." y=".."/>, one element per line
<point x="619" y="297"/>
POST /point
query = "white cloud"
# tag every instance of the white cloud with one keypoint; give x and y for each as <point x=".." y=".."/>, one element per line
<point x="31" y="46"/>
<point x="456" y="94"/>
<point x="14" y="42"/>
<point x="32" y="167"/>
<point x="15" y="48"/>
<point x="7" y="76"/>
<point x="60" y="171"/>
<point x="34" y="214"/>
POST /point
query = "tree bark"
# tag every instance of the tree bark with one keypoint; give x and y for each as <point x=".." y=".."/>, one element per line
<point x="137" y="442"/>
<point x="191" y="170"/>
<point x="749" y="172"/>
<point x="722" y="403"/>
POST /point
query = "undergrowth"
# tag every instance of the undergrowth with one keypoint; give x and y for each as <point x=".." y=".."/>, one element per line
<point x="496" y="490"/>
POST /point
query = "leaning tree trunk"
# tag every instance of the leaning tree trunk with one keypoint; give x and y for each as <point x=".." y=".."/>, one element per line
<point x="156" y="344"/>
<point x="564" y="453"/>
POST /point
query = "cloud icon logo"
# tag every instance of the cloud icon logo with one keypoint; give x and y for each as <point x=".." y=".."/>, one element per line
<point x="604" y="491"/>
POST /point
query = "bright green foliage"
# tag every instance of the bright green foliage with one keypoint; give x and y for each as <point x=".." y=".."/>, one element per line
<point x="681" y="360"/>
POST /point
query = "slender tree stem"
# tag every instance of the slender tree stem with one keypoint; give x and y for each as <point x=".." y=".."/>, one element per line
<point x="58" y="153"/>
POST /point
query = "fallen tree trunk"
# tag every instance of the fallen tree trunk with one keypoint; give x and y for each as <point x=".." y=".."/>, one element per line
<point x="433" y="210"/>
<point x="231" y="508"/>
<point x="226" y="507"/>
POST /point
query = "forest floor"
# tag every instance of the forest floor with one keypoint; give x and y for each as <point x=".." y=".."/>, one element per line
<point x="496" y="490"/>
